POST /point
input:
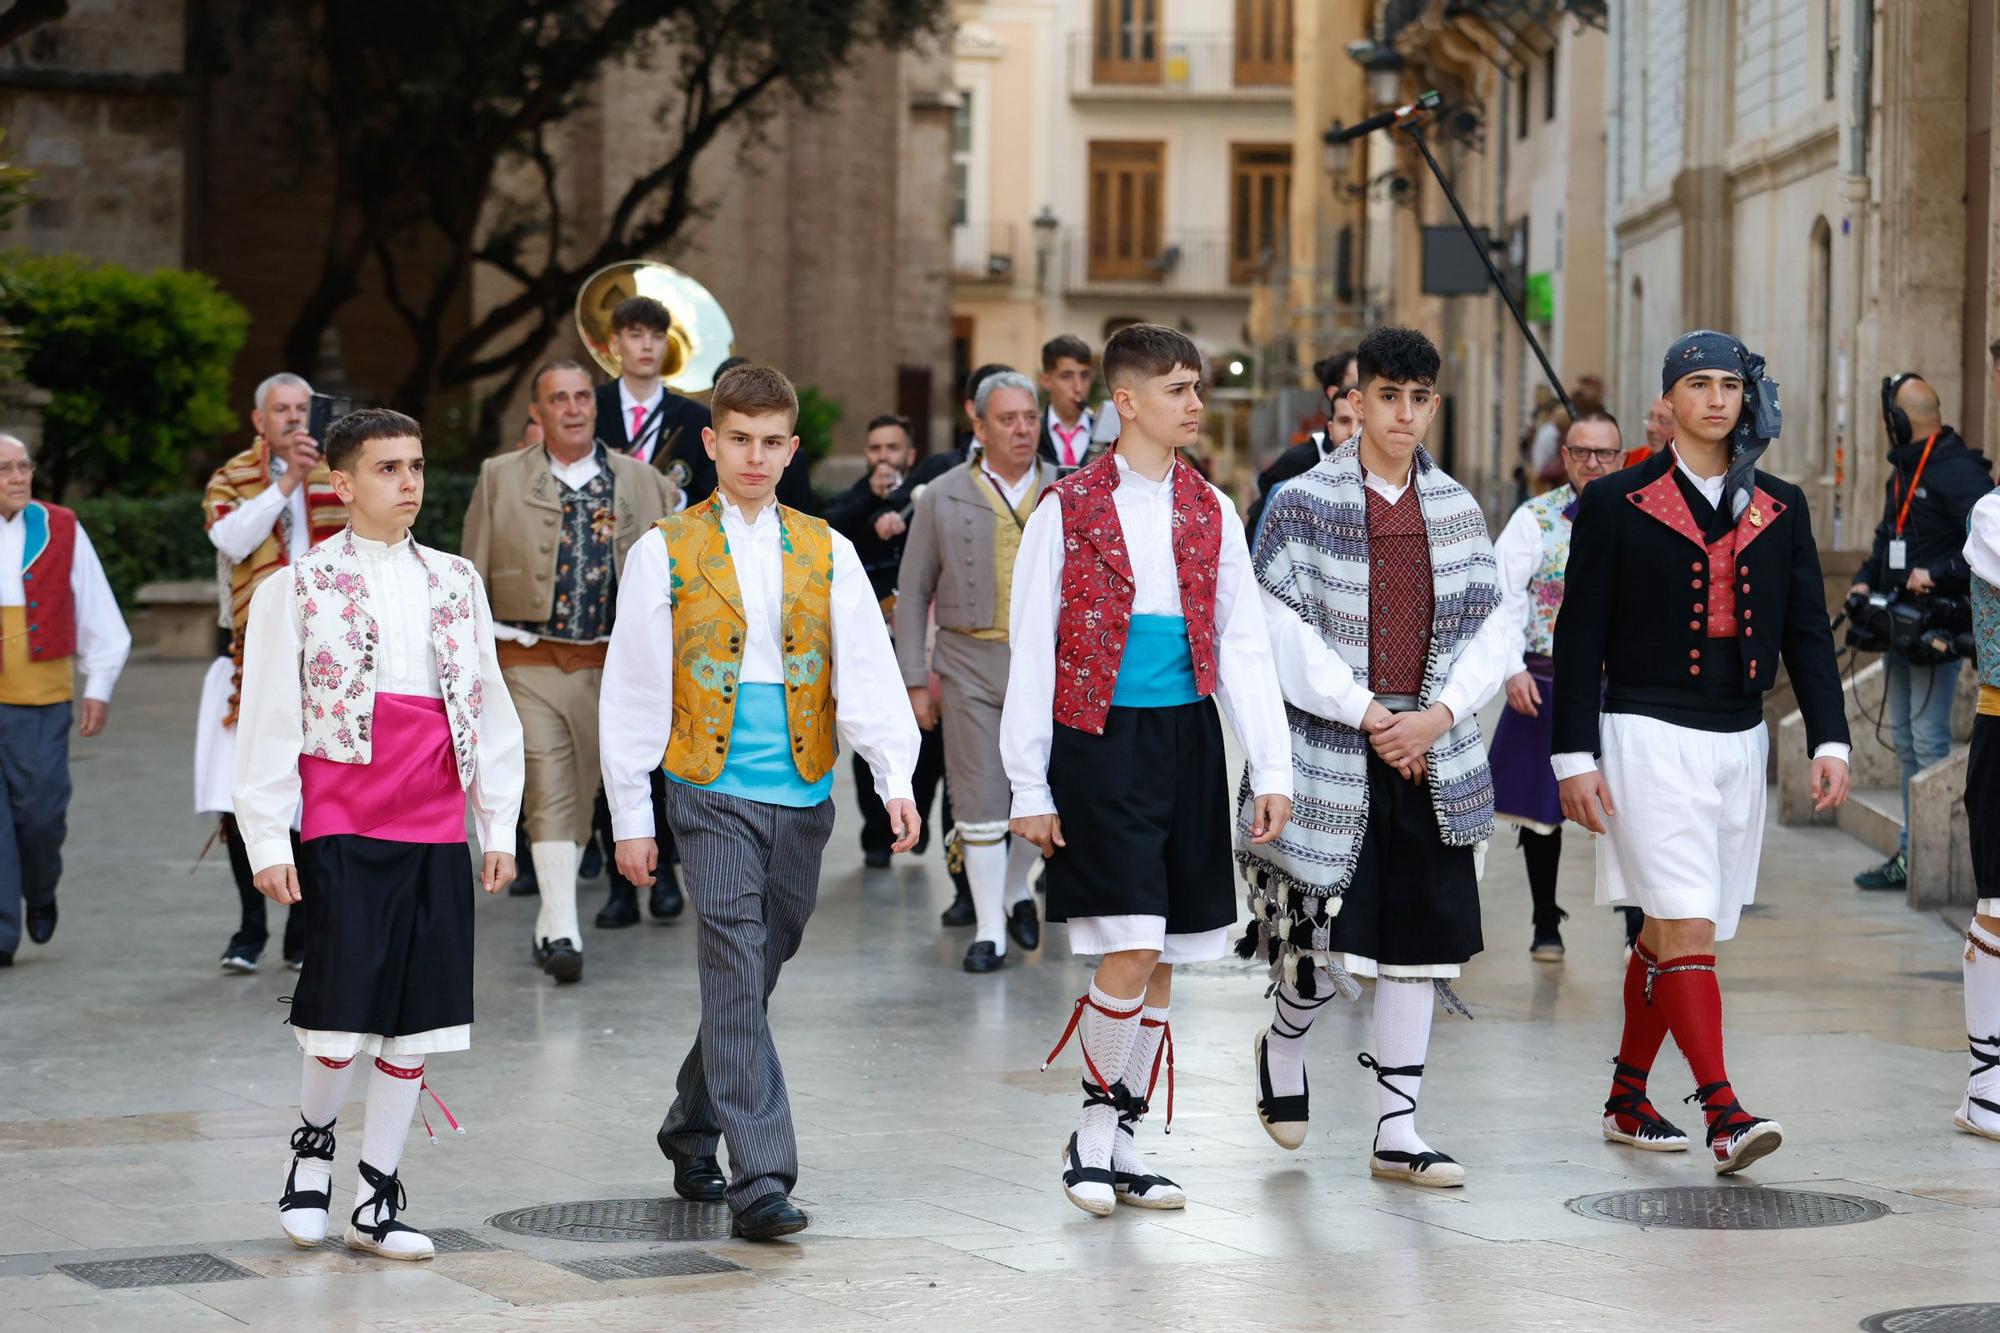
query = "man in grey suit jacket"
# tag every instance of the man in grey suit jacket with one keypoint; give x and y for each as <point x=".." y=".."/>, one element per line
<point x="959" y="561"/>
<point x="548" y="530"/>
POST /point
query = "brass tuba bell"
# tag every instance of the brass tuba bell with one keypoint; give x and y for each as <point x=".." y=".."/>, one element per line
<point x="699" y="340"/>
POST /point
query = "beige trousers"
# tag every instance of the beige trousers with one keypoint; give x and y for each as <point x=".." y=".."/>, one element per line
<point x="559" y="729"/>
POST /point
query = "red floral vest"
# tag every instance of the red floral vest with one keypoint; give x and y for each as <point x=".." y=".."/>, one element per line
<point x="1097" y="588"/>
<point x="47" y="556"/>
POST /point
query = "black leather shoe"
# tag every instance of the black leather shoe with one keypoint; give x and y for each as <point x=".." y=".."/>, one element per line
<point x="591" y="864"/>
<point x="41" y="923"/>
<point x="666" y="901"/>
<point x="524" y="884"/>
<point x="561" y="961"/>
<point x="960" y="912"/>
<point x="1024" y="927"/>
<point x="984" y="956"/>
<point x="6" y="960"/>
<point x="876" y="858"/>
<point x="696" y="1175"/>
<point x="621" y="909"/>
<point x="767" y="1219"/>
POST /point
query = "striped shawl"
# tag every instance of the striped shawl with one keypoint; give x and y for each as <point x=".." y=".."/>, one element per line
<point x="1313" y="556"/>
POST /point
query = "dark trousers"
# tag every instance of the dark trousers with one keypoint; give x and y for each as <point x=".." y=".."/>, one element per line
<point x="34" y="784"/>
<point x="608" y="843"/>
<point x="752" y="870"/>
<point x="876" y="835"/>
<point x="252" y="930"/>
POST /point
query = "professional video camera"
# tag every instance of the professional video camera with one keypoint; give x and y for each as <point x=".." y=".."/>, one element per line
<point x="1926" y="630"/>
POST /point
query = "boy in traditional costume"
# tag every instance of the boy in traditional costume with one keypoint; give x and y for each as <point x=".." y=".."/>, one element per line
<point x="371" y="691"/>
<point x="1979" y="1113"/>
<point x="1133" y="604"/>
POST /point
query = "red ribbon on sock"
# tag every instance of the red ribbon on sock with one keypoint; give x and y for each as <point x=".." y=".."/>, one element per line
<point x="1166" y="1050"/>
<point x="1075" y="1017"/>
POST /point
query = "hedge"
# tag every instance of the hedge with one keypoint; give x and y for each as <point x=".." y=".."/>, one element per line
<point x="147" y="539"/>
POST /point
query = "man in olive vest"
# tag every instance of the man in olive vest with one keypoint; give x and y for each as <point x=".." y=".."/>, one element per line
<point x="959" y="560"/>
<point x="736" y="620"/>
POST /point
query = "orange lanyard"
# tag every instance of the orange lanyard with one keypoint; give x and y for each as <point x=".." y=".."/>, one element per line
<point x="1904" y="512"/>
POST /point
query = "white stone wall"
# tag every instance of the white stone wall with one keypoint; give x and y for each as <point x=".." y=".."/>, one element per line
<point x="1773" y="64"/>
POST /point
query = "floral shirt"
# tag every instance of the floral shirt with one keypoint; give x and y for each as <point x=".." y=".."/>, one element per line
<point x="586" y="564"/>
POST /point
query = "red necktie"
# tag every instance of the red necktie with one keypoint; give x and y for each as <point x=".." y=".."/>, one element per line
<point x="1068" y="438"/>
<point x="638" y="420"/>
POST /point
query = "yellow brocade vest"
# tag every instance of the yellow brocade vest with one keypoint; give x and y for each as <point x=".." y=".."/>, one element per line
<point x="1007" y="526"/>
<point x="708" y="640"/>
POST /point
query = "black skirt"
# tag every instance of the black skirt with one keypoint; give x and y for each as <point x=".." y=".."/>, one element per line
<point x="1145" y="811"/>
<point x="1982" y="804"/>
<point x="1413" y="902"/>
<point x="388" y="936"/>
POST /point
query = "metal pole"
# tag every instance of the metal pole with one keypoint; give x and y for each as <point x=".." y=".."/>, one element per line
<point x="1417" y="135"/>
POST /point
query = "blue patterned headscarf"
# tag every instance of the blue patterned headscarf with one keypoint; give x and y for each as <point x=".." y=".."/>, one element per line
<point x="1705" y="349"/>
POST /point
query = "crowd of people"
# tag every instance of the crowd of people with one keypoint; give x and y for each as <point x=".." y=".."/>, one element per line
<point x="649" y="650"/>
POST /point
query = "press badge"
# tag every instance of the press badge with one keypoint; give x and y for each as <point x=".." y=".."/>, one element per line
<point x="1899" y="553"/>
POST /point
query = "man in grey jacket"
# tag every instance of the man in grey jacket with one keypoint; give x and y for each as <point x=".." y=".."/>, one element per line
<point x="959" y="560"/>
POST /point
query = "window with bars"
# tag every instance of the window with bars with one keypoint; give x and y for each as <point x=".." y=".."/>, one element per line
<point x="961" y="159"/>
<point x="1549" y="84"/>
<point x="1263" y="43"/>
<point x="1127" y="203"/>
<point x="1260" y="200"/>
<point x="1125" y="46"/>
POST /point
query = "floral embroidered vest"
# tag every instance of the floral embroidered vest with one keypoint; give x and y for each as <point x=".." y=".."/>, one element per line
<point x="1986" y="630"/>
<point x="340" y="637"/>
<point x="708" y="640"/>
<point x="1545" y="586"/>
<point x="1095" y="614"/>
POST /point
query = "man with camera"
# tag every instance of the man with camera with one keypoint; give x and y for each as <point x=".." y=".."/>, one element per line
<point x="1918" y="558"/>
<point x="265" y="507"/>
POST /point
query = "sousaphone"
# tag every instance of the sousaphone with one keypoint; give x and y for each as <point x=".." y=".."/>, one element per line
<point x="699" y="341"/>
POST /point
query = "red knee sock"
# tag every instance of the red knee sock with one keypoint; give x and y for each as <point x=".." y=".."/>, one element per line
<point x="1645" y="1030"/>
<point x="1686" y="991"/>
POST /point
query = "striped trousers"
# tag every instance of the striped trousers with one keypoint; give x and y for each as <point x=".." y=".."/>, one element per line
<point x="752" y="871"/>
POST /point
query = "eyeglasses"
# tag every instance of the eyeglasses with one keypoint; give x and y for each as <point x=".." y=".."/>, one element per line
<point x="1601" y="457"/>
<point x="24" y="466"/>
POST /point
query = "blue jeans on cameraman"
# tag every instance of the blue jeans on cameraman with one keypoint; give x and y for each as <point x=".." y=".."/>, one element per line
<point x="1916" y="702"/>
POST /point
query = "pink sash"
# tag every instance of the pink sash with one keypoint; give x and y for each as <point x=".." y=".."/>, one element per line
<point x="408" y="793"/>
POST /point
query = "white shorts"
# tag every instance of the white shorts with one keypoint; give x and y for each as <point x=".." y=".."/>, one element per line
<point x="1096" y="935"/>
<point x="1690" y="823"/>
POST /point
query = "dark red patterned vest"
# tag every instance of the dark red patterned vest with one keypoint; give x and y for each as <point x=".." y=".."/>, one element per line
<point x="1400" y="594"/>
<point x="47" y="557"/>
<point x="1097" y="588"/>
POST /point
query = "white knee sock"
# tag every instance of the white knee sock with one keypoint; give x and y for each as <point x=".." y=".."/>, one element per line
<point x="986" y="872"/>
<point x="1022" y="858"/>
<point x="1285" y="1042"/>
<point x="392" y="1100"/>
<point x="555" y="871"/>
<point x="1107" y="1042"/>
<point x="1402" y="1038"/>
<point x="1125" y="1154"/>
<point x="323" y="1087"/>
<point x="1982" y="1022"/>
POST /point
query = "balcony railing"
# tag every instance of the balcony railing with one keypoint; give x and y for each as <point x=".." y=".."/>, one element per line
<point x="984" y="252"/>
<point x="1181" y="66"/>
<point x="1177" y="263"/>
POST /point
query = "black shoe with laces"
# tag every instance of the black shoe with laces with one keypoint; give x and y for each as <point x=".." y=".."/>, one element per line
<point x="241" y="955"/>
<point x="562" y="960"/>
<point x="1548" y="945"/>
<point x="1893" y="873"/>
<point x="697" y="1176"/>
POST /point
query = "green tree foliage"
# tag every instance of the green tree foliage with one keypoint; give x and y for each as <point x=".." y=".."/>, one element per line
<point x="138" y="364"/>
<point x="818" y="416"/>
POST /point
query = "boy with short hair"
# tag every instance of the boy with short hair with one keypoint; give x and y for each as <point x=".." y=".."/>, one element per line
<point x="747" y="636"/>
<point x="371" y="690"/>
<point x="1133" y="604"/>
<point x="637" y="413"/>
<point x="1379" y="585"/>
<point x="1068" y="425"/>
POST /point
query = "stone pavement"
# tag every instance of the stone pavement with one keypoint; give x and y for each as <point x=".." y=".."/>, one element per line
<point x="145" y="1097"/>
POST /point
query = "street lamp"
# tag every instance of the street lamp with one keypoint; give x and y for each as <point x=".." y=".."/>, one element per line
<point x="1383" y="65"/>
<point x="1045" y="224"/>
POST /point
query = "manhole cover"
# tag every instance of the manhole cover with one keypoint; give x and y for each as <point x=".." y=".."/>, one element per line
<point x="620" y="1219"/>
<point x="672" y="1263"/>
<point x="1936" y="1319"/>
<point x="161" y="1270"/>
<point x="1727" y="1208"/>
<point x="446" y="1240"/>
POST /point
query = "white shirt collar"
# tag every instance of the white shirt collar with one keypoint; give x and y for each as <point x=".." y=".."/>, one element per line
<point x="574" y="474"/>
<point x="1710" y="487"/>
<point x="1385" y="488"/>
<point x="767" y="516"/>
<point x="1145" y="485"/>
<point x="1014" y="493"/>
<point x="1083" y="421"/>
<point x="374" y="550"/>
<point x="628" y="402"/>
